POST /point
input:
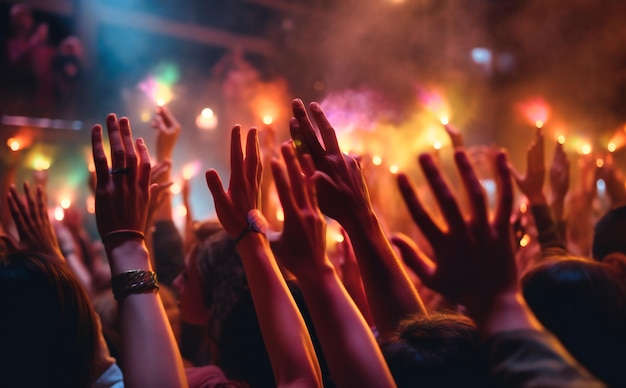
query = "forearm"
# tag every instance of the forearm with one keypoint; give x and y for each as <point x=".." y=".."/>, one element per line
<point x="284" y="332"/>
<point x="549" y="238"/>
<point x="349" y="346"/>
<point x="150" y="354"/>
<point x="390" y="293"/>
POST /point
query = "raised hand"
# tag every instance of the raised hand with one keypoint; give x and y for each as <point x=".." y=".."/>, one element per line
<point x="123" y="192"/>
<point x="473" y="261"/>
<point x="302" y="244"/>
<point x="232" y="207"/>
<point x="341" y="188"/>
<point x="159" y="191"/>
<point x="31" y="220"/>
<point x="168" y="129"/>
<point x="531" y="184"/>
<point x="559" y="180"/>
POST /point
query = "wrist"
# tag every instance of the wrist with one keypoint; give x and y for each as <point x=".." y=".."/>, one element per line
<point x="127" y="256"/>
<point x="505" y="312"/>
<point x="361" y="221"/>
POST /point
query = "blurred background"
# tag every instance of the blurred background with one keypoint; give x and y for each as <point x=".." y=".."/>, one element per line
<point x="387" y="72"/>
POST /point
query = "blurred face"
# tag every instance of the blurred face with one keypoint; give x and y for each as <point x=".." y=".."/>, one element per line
<point x="189" y="286"/>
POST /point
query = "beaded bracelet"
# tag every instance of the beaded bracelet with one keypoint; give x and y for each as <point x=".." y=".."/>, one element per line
<point x="256" y="223"/>
<point x="133" y="282"/>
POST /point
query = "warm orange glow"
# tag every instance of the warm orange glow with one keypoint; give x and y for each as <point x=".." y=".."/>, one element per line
<point x="437" y="145"/>
<point x="599" y="163"/>
<point x="539" y="123"/>
<point x="523" y="207"/>
<point x="14" y="144"/>
<point x="175" y="188"/>
<point x="181" y="210"/>
<point x="339" y="237"/>
<point x="40" y="163"/>
<point x="267" y="120"/>
<point x="393" y="169"/>
<point x="377" y="160"/>
<point x="91" y="205"/>
<point x="611" y="147"/>
<point x="190" y="170"/>
<point x="280" y="216"/>
<point x="65" y="203"/>
<point x="586" y="149"/>
<point x="444" y="120"/>
<point x="561" y="139"/>
<point x="535" y="110"/>
<point x="524" y="241"/>
<point x="59" y="214"/>
<point x="207" y="113"/>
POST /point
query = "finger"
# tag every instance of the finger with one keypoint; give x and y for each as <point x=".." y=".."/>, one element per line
<point x="296" y="177"/>
<point x="505" y="194"/>
<point x="236" y="158"/>
<point x="252" y="162"/>
<point x="447" y="203"/>
<point x="160" y="169"/>
<point x="129" y="148"/>
<point x="99" y="157"/>
<point x="474" y="190"/>
<point x="144" y="170"/>
<point x="296" y="136"/>
<point x="419" y="214"/>
<point x="312" y="176"/>
<point x="42" y="203"/>
<point x="30" y="201"/>
<point x="220" y="198"/>
<point x="284" y="190"/>
<point x="10" y="243"/>
<point x="159" y="124"/>
<point x="118" y="156"/>
<point x="326" y="130"/>
<point x="305" y="131"/>
<point x="17" y="209"/>
<point x="165" y="116"/>
<point x="414" y="258"/>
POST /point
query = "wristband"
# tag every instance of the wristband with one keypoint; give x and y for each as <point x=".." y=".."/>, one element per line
<point x="256" y="223"/>
<point x="133" y="282"/>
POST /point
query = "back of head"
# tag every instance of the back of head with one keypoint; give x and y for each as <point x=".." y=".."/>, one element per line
<point x="609" y="234"/>
<point x="583" y="303"/>
<point x="441" y="350"/>
<point x="47" y="326"/>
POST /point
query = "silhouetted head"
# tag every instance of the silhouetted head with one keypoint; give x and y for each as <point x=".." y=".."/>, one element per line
<point x="441" y="350"/>
<point x="583" y="303"/>
<point x="47" y="325"/>
<point x="609" y="234"/>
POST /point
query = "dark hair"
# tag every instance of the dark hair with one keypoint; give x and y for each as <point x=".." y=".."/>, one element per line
<point x="439" y="350"/>
<point x="609" y="234"/>
<point x="583" y="303"/>
<point x="47" y="325"/>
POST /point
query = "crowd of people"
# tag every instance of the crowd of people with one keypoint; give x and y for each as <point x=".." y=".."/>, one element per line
<point x="239" y="302"/>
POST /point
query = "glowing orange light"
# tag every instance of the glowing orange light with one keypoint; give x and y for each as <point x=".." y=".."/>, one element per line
<point x="190" y="170"/>
<point x="175" y="188"/>
<point x="586" y="149"/>
<point x="65" y="203"/>
<point x="523" y="207"/>
<point x="59" y="214"/>
<point x="145" y="116"/>
<point x="561" y="139"/>
<point x="207" y="113"/>
<point x="339" y="237"/>
<point x="160" y="101"/>
<point x="444" y="120"/>
<point x="41" y="164"/>
<point x="524" y="241"/>
<point x="14" y="144"/>
<point x="267" y="120"/>
<point x="91" y="205"/>
<point x="377" y="160"/>
<point x="611" y="147"/>
<point x="91" y="167"/>
<point x="181" y="211"/>
<point x="393" y="169"/>
<point x="437" y="145"/>
<point x="539" y="123"/>
<point x="280" y="216"/>
<point x="599" y="163"/>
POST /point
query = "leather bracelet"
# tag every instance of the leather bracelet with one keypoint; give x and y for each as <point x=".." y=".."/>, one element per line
<point x="133" y="282"/>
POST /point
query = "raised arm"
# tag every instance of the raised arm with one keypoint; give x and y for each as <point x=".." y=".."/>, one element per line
<point x="531" y="185"/>
<point x="150" y="354"/>
<point x="284" y="332"/>
<point x="343" y="196"/>
<point x="352" y="353"/>
<point x="474" y="265"/>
